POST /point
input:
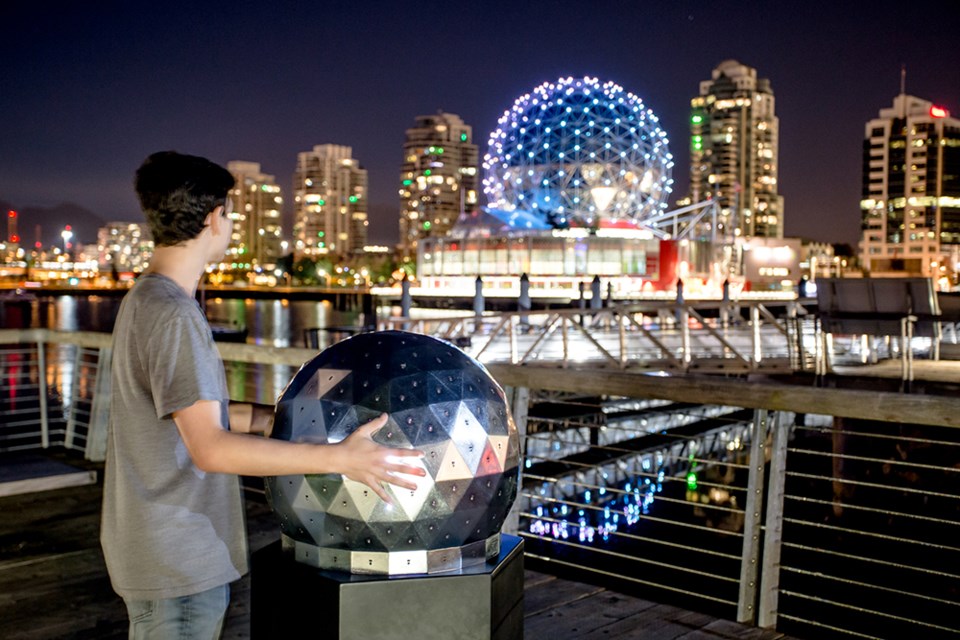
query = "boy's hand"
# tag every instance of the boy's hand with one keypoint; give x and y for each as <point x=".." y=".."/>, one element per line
<point x="365" y="461"/>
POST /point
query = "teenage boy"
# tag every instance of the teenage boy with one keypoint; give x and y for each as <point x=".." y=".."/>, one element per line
<point x="173" y="531"/>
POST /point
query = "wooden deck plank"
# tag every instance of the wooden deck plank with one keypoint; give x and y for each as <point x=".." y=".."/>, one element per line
<point x="580" y="618"/>
<point x="33" y="473"/>
<point x="53" y="584"/>
<point x="547" y="595"/>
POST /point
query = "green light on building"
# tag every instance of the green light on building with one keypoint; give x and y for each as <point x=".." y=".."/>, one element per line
<point x="427" y="225"/>
<point x="463" y="137"/>
<point x="353" y="198"/>
<point x="320" y="234"/>
<point x="321" y="202"/>
<point x="427" y="172"/>
<point x="696" y="118"/>
<point x="692" y="481"/>
<point x="407" y="183"/>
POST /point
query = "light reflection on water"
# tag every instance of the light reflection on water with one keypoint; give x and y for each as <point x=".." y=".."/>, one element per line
<point x="278" y="323"/>
<point x="274" y="323"/>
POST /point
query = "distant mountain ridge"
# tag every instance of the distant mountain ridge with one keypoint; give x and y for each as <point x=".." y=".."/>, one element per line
<point x="52" y="220"/>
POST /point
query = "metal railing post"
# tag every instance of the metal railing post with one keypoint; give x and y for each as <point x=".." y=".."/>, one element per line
<point x="750" y="558"/>
<point x="71" y="432"/>
<point x="42" y="381"/>
<point x="773" y="528"/>
<point x="518" y="399"/>
<point x="755" y="334"/>
<point x="96" y="450"/>
<point x="622" y="338"/>
<point x="566" y="342"/>
<point x="683" y="316"/>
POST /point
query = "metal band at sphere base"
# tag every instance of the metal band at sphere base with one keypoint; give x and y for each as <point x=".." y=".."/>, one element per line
<point x="394" y="563"/>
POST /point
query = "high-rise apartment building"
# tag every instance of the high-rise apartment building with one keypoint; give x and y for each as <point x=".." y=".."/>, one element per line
<point x="438" y="179"/>
<point x="910" y="203"/>
<point x="124" y="247"/>
<point x="330" y="202"/>
<point x="734" y="151"/>
<point x="256" y="214"/>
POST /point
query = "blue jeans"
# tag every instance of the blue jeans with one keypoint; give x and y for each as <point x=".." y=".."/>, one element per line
<point x="194" y="617"/>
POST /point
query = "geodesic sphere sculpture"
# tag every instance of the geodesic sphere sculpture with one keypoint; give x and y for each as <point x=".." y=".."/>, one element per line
<point x="439" y="400"/>
<point x="578" y="152"/>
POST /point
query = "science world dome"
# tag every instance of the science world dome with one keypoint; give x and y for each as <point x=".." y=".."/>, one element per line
<point x="577" y="153"/>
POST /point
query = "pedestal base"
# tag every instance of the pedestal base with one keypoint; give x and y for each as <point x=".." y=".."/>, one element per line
<point x="477" y="603"/>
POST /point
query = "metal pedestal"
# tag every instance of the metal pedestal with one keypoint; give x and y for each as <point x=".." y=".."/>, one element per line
<point x="290" y="599"/>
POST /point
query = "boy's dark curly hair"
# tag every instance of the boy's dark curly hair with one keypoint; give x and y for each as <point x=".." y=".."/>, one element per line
<point x="176" y="193"/>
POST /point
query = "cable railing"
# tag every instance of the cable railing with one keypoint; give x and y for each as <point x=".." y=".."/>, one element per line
<point x="677" y="337"/>
<point x="52" y="389"/>
<point x="821" y="512"/>
<point x="742" y="336"/>
<point x="828" y="513"/>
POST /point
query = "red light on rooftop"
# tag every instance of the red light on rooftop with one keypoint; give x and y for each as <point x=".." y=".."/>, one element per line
<point x="939" y="112"/>
<point x="15" y="238"/>
<point x="11" y="214"/>
<point x="37" y="245"/>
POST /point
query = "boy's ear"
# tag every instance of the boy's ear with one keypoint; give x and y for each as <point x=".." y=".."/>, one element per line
<point x="214" y="219"/>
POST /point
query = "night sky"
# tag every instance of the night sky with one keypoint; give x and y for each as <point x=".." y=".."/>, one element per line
<point x="89" y="89"/>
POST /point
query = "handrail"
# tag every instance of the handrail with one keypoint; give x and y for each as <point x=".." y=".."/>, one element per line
<point x="871" y="405"/>
<point x="848" y="403"/>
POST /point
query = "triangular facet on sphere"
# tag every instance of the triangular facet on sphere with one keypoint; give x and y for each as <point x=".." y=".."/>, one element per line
<point x="326" y="379"/>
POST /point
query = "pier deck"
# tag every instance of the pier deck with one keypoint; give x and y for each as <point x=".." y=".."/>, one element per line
<point x="53" y="583"/>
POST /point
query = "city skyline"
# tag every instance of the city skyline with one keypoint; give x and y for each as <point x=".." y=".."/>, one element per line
<point x="89" y="92"/>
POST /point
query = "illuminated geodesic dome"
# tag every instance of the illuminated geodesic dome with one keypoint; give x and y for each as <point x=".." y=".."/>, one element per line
<point x="576" y="152"/>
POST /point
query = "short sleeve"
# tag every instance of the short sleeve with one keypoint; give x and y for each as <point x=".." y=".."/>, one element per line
<point x="183" y="364"/>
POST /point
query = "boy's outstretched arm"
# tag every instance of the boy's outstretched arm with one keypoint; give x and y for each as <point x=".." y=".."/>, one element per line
<point x="215" y="450"/>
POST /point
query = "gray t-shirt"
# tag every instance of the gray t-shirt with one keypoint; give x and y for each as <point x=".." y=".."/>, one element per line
<point x="168" y="529"/>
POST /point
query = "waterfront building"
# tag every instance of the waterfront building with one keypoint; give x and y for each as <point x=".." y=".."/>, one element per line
<point x="820" y="260"/>
<point x="577" y="177"/>
<point x="257" y="227"/>
<point x="734" y="143"/>
<point x="910" y="204"/>
<point x="438" y="179"/>
<point x="772" y="263"/>
<point x="123" y="248"/>
<point x="330" y="202"/>
<point x="10" y="249"/>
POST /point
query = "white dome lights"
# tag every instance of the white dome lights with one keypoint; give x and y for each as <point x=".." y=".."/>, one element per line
<point x="576" y="152"/>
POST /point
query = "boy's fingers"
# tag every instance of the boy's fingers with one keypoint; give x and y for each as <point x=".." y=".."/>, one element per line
<point x="406" y="453"/>
<point x="377" y="423"/>
<point x="380" y="491"/>
<point x="406" y="469"/>
<point x="403" y="484"/>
